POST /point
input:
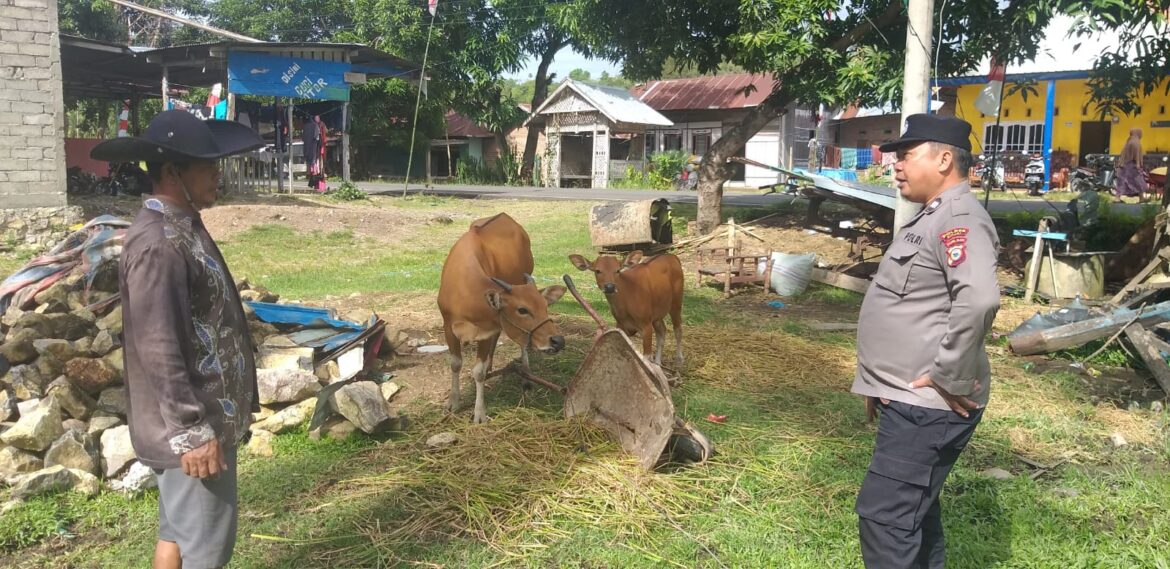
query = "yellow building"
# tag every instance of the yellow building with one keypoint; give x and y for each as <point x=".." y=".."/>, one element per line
<point x="1060" y="108"/>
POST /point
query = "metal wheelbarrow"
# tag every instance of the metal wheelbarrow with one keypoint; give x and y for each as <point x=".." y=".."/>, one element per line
<point x="618" y="390"/>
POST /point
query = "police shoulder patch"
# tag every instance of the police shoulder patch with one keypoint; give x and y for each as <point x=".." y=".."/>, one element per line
<point x="955" y="241"/>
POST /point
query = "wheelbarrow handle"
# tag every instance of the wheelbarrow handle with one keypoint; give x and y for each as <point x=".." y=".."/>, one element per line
<point x="584" y="304"/>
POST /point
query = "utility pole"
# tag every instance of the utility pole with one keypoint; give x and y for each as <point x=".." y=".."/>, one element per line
<point x="915" y="83"/>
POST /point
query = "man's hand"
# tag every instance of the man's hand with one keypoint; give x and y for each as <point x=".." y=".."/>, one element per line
<point x="957" y="403"/>
<point x="205" y="461"/>
<point x="871" y="407"/>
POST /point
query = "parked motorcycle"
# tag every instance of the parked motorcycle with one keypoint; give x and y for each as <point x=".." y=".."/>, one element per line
<point x="1034" y="174"/>
<point x="1097" y="174"/>
<point x="688" y="179"/>
<point x="991" y="173"/>
<point x="124" y="178"/>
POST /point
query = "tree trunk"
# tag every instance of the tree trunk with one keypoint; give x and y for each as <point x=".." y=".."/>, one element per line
<point x="713" y="171"/>
<point x="540" y="93"/>
<point x="504" y="157"/>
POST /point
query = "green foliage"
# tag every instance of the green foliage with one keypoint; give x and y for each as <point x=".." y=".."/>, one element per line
<point x="504" y="171"/>
<point x="347" y="192"/>
<point x="874" y="174"/>
<point x="634" y="179"/>
<point x="1025" y="88"/>
<point x="666" y="165"/>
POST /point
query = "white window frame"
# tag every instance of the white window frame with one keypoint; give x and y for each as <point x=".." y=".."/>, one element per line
<point x="1018" y="136"/>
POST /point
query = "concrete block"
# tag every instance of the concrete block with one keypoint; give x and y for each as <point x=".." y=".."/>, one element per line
<point x="23" y="107"/>
<point x="17" y="36"/>
<point x="35" y="25"/>
<point x="41" y="119"/>
<point x="33" y="49"/>
<point x="24" y="176"/>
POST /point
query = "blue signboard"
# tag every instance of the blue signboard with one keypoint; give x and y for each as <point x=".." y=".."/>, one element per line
<point x="251" y="73"/>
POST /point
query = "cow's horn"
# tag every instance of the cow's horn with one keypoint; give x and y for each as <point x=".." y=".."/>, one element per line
<point x="507" y="287"/>
<point x="528" y="279"/>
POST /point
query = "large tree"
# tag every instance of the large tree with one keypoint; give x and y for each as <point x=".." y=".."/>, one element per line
<point x="819" y="51"/>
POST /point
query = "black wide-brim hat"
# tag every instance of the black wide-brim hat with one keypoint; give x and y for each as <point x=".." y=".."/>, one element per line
<point x="179" y="136"/>
<point x="932" y="128"/>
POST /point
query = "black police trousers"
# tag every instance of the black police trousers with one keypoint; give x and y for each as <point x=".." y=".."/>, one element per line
<point x="900" y="516"/>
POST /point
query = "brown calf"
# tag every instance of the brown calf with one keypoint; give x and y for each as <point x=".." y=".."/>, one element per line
<point x="641" y="292"/>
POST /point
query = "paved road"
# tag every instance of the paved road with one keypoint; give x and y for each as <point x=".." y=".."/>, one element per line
<point x="997" y="207"/>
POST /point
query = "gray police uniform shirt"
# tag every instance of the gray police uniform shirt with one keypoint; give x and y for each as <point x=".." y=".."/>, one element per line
<point x="931" y="305"/>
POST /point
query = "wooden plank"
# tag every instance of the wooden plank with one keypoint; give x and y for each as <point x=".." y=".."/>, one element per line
<point x="1034" y="269"/>
<point x="1150" y="348"/>
<point x="1142" y="276"/>
<point x="1144" y="293"/>
<point x="1078" y="333"/>
<point x="840" y="280"/>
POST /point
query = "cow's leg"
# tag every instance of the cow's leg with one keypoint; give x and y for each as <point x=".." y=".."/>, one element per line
<point x="659" y="339"/>
<point x="647" y="333"/>
<point x="524" y="383"/>
<point x="455" y="358"/>
<point x="676" y="323"/>
<point x="485" y="350"/>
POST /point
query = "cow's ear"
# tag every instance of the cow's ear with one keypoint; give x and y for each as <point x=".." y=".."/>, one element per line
<point x="553" y="293"/>
<point x="494" y="299"/>
<point x="579" y="262"/>
<point x="632" y="258"/>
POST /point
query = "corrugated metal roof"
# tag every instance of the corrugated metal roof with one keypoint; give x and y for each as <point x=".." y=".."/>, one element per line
<point x="461" y="126"/>
<point x="617" y="104"/>
<point x="696" y="93"/>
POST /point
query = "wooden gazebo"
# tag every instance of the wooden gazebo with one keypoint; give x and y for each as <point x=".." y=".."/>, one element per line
<point x="595" y="134"/>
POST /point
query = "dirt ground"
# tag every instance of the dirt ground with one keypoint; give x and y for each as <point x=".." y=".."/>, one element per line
<point x="301" y="214"/>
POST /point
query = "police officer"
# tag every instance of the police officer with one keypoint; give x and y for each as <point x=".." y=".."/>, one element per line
<point x="921" y="359"/>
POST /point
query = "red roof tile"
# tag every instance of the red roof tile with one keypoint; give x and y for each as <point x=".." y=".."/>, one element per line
<point x="713" y="92"/>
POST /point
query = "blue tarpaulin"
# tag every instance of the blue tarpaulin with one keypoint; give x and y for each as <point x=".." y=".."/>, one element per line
<point x="312" y="318"/>
<point x="252" y="73"/>
<point x="302" y="315"/>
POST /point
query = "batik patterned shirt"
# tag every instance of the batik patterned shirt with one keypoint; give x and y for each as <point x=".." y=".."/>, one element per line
<point x="190" y="369"/>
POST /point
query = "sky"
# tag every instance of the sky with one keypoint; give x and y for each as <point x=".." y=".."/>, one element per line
<point x="1056" y="54"/>
<point x="566" y="61"/>
<point x="1057" y="51"/>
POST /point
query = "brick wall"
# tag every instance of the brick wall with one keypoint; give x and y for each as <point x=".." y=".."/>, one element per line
<point x="32" y="151"/>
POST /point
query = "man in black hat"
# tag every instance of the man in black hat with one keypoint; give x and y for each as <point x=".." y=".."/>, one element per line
<point x="190" y="373"/>
<point x="921" y="358"/>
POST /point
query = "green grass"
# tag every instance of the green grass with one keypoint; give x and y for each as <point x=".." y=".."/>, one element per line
<point x="537" y="493"/>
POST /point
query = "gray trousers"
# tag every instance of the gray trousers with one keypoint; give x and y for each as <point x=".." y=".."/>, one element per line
<point x="898" y="506"/>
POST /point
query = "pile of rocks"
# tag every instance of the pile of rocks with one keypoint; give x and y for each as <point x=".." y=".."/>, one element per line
<point x="63" y="402"/>
<point x="293" y="380"/>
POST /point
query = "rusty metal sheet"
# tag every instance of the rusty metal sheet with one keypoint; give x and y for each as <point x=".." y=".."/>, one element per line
<point x="617" y="390"/>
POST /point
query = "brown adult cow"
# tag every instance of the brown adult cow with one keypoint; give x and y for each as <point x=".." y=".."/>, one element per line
<point x="641" y="291"/>
<point x="487" y="288"/>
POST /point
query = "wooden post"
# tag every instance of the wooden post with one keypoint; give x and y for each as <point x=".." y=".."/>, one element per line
<point x="344" y="141"/>
<point x="165" y="78"/>
<point x="1052" y="271"/>
<point x="134" y="130"/>
<point x="1037" y="256"/>
<point x="1149" y="348"/>
<point x="290" y="145"/>
<point x="731" y="236"/>
<point x="276" y="163"/>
